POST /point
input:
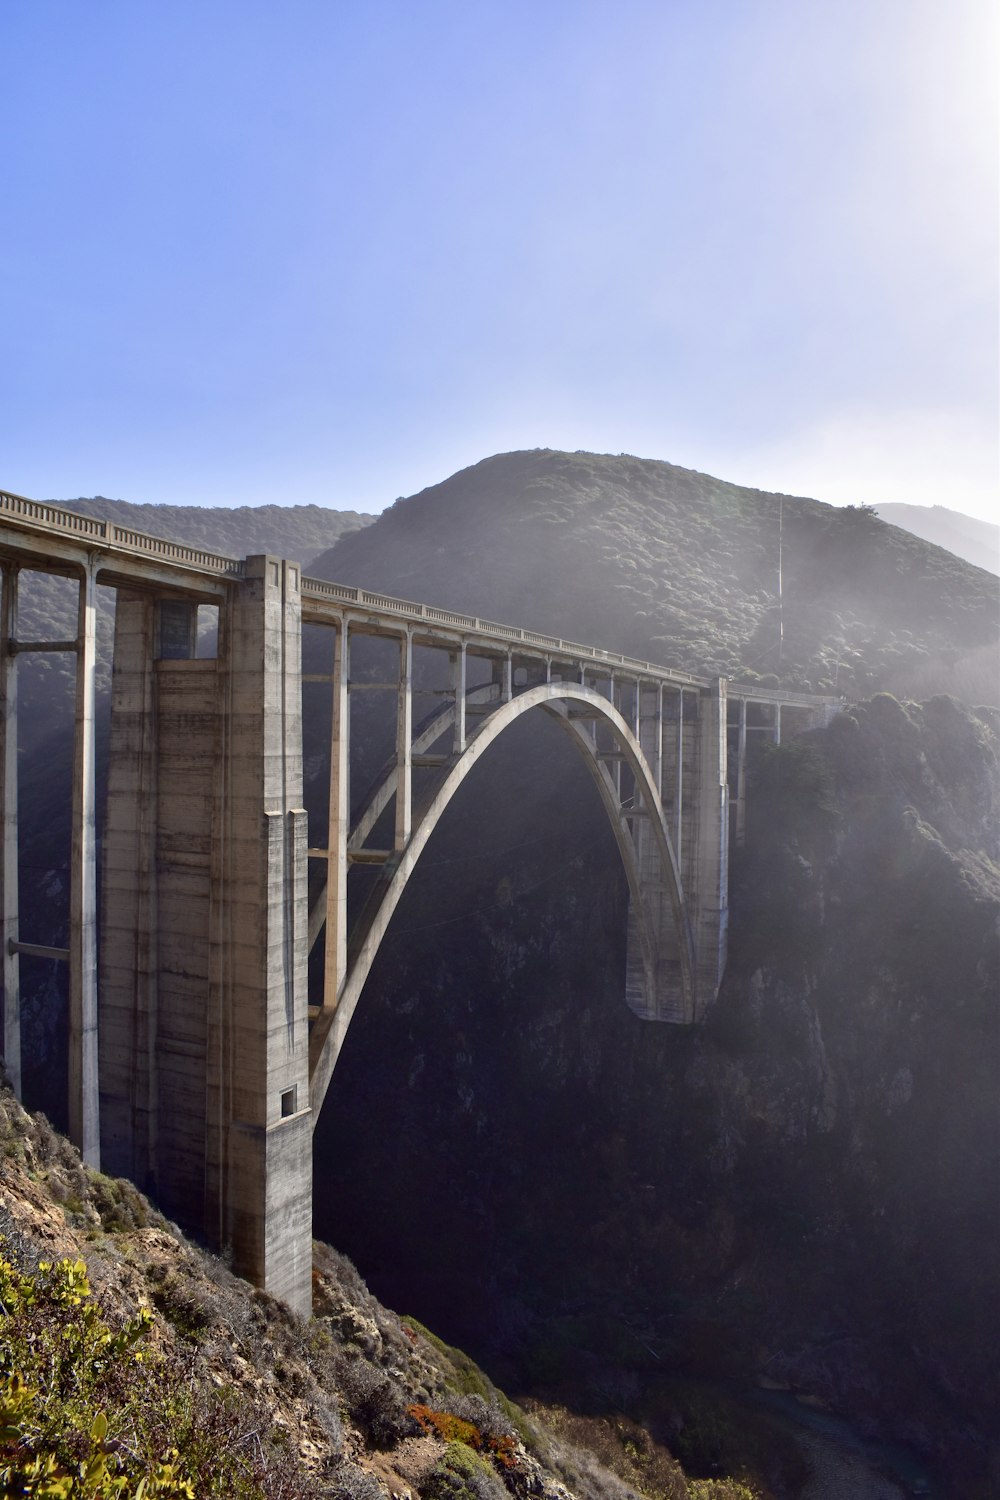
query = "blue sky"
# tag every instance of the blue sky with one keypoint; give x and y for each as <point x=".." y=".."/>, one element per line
<point x="333" y="250"/>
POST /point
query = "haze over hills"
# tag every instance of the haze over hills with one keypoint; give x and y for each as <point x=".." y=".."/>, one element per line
<point x="681" y="568"/>
<point x="977" y="541"/>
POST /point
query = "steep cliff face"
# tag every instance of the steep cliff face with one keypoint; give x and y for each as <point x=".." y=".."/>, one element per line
<point x="800" y="1192"/>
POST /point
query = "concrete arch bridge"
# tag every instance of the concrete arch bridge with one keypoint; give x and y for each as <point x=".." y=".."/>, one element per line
<point x="198" y="1059"/>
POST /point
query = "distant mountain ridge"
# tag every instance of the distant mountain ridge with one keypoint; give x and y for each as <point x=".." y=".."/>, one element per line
<point x="978" y="542"/>
<point x="298" y="532"/>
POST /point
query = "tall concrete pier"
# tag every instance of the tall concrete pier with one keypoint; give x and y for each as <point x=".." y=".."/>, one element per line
<point x="198" y="1059"/>
<point x="204" y="1035"/>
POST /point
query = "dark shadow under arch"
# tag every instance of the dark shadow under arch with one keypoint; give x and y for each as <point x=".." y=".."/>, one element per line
<point x="568" y="702"/>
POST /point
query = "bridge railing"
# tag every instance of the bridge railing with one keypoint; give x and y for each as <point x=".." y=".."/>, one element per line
<point x="409" y="609"/>
<point x="52" y="516"/>
<point x="71" y="523"/>
<point x="191" y="557"/>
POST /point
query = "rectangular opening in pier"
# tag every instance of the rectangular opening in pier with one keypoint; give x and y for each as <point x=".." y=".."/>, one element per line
<point x="208" y="632"/>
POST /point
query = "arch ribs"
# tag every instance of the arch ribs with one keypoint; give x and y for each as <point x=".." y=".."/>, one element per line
<point x="656" y="753"/>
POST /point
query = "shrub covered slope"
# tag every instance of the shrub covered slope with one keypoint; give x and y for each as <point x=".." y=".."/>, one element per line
<point x="132" y="1365"/>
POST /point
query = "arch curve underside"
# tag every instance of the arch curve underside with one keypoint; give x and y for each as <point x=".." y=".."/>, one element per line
<point x="661" y="964"/>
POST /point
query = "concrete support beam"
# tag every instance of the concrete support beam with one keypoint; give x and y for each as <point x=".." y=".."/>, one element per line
<point x="404" y="743"/>
<point x="262" y="936"/>
<point x="741" y="776"/>
<point x="127" y="1049"/>
<point x="84" y="1114"/>
<point x="458" y="685"/>
<point x="708" y="881"/>
<point x="9" y="931"/>
<point x="679" y="782"/>
<point x="338" y="832"/>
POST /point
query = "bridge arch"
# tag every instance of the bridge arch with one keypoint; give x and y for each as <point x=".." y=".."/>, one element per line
<point x="573" y="706"/>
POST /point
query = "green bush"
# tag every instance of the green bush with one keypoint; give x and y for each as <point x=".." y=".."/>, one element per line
<point x="61" y="1370"/>
<point x="460" y="1474"/>
<point x="91" y="1410"/>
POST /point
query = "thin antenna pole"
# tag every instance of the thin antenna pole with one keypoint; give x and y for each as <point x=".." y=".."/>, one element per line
<point x="781" y="614"/>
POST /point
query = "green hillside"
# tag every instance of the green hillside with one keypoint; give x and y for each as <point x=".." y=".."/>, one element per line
<point x="298" y="532"/>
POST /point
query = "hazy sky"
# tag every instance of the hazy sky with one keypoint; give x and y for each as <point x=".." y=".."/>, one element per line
<point x="334" y="250"/>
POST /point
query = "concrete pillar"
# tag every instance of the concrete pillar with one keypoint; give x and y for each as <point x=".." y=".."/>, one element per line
<point x="777" y="723"/>
<point x="128" y="964"/>
<point x="404" y="744"/>
<point x="84" y="1114"/>
<point x="458" y="687"/>
<point x="679" y="783"/>
<point x="707" y="885"/>
<point x="741" y="776"/>
<point x="263" y="939"/>
<point x="338" y="829"/>
<point x="654" y="987"/>
<point x="204" y="1040"/>
<point x="8" y="819"/>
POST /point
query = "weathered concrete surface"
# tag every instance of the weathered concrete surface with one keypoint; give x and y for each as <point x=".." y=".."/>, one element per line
<point x="204" y="1022"/>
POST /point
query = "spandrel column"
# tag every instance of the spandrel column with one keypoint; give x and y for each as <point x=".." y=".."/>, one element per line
<point x="8" y="815"/>
<point x="84" y="1119"/>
